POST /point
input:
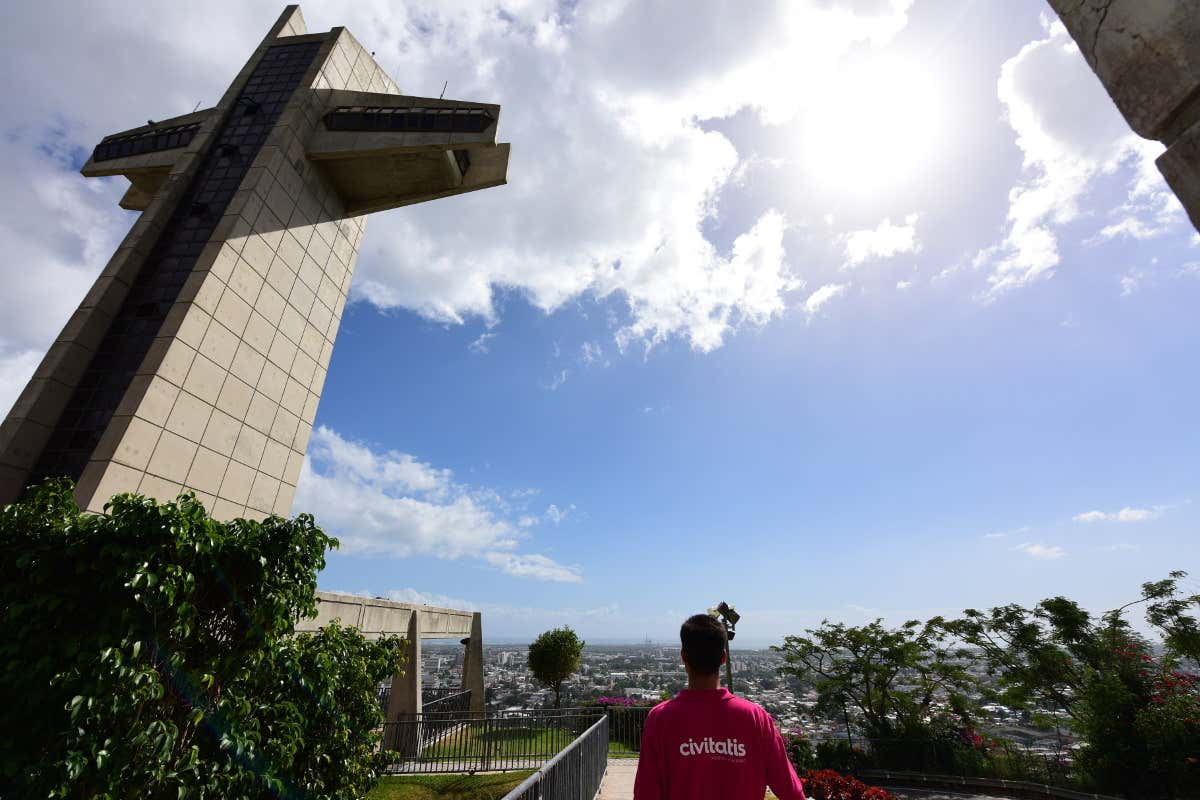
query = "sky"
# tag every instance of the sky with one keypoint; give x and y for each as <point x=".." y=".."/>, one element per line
<point x="837" y="309"/>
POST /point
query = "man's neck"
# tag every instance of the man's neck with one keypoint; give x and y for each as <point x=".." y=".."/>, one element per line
<point x="704" y="681"/>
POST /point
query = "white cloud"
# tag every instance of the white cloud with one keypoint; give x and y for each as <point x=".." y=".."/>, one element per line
<point x="903" y="285"/>
<point x="501" y="618"/>
<point x="557" y="380"/>
<point x="419" y="598"/>
<point x="1131" y="281"/>
<point x="822" y="296"/>
<point x="1151" y="208"/>
<point x="56" y="232"/>
<point x="482" y="345"/>
<point x="1069" y="133"/>
<point x="389" y="503"/>
<point x="503" y="615"/>
<point x="591" y="353"/>
<point x="557" y="515"/>
<point x="613" y="200"/>
<point x="16" y="368"/>
<point x="1041" y="552"/>
<point x="1124" y="515"/>
<point x="884" y="241"/>
<point x="1005" y="534"/>
<point x="533" y="565"/>
<point x="1131" y="227"/>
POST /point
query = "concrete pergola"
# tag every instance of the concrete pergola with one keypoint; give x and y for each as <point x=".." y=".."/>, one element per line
<point x="376" y="617"/>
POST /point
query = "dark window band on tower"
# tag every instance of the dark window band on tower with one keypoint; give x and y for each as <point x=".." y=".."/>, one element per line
<point x="372" y="118"/>
<point x="151" y="141"/>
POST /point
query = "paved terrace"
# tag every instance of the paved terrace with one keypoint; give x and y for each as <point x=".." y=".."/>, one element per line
<point x="618" y="785"/>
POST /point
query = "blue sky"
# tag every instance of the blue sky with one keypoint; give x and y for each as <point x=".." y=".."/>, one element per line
<point x="839" y="309"/>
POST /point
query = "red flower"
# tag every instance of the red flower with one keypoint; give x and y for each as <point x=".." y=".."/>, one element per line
<point x="826" y="784"/>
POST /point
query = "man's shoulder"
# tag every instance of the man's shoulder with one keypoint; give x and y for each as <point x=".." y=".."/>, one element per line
<point x="747" y="706"/>
<point x="730" y="704"/>
<point x="658" y="710"/>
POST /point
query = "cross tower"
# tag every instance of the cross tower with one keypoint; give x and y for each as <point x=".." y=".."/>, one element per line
<point x="197" y="359"/>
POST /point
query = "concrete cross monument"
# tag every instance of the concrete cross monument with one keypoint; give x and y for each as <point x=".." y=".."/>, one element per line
<point x="196" y="361"/>
<point x="1147" y="55"/>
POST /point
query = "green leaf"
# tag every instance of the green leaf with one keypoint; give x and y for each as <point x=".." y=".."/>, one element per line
<point x="212" y="606"/>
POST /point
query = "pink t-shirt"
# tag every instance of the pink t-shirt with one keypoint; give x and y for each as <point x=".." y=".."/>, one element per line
<point x="706" y="743"/>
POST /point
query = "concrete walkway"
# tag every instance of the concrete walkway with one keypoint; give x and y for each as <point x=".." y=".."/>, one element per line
<point x="618" y="779"/>
<point x="618" y="785"/>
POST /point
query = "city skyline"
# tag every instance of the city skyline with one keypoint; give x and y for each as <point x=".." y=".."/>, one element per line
<point x="843" y="310"/>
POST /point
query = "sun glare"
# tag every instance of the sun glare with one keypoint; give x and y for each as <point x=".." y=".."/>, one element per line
<point x="873" y="128"/>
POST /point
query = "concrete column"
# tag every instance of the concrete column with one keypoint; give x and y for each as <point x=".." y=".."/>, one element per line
<point x="472" y="677"/>
<point x="405" y="700"/>
<point x="1147" y="55"/>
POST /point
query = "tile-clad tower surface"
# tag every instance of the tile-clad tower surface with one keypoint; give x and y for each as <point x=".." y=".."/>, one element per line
<point x="197" y="360"/>
<point x="157" y="286"/>
<point x="229" y="411"/>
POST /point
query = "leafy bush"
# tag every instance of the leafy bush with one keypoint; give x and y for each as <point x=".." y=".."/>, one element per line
<point x="799" y="750"/>
<point x="839" y="755"/>
<point x="1129" y="702"/>
<point x="941" y="745"/>
<point x="149" y="652"/>
<point x="825" y="784"/>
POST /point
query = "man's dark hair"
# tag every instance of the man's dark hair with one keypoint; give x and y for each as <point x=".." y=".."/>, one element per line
<point x="703" y="640"/>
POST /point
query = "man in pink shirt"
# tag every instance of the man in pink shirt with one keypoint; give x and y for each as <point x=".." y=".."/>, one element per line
<point x="706" y="744"/>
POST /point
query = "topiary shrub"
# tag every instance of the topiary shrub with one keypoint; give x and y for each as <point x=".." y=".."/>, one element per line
<point x="149" y="652"/>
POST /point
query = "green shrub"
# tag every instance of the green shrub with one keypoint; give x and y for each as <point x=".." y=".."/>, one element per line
<point x="149" y="652"/>
<point x="839" y="756"/>
<point x="799" y="750"/>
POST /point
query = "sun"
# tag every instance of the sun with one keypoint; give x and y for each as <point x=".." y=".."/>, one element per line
<point x="873" y="127"/>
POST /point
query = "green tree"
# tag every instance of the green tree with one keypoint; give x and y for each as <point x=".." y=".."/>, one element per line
<point x="1133" y="706"/>
<point x="149" y="651"/>
<point x="553" y="657"/>
<point x="893" y="679"/>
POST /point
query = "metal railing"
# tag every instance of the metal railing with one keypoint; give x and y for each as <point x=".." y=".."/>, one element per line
<point x="958" y="783"/>
<point x="625" y="725"/>
<point x="465" y="742"/>
<point x="1003" y="761"/>
<point x="440" y="699"/>
<point x="446" y="700"/>
<point x="384" y="695"/>
<point x="573" y="774"/>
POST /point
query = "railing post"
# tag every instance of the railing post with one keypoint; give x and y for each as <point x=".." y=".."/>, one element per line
<point x="486" y="733"/>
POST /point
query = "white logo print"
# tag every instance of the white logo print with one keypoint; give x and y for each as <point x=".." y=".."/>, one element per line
<point x="711" y="746"/>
